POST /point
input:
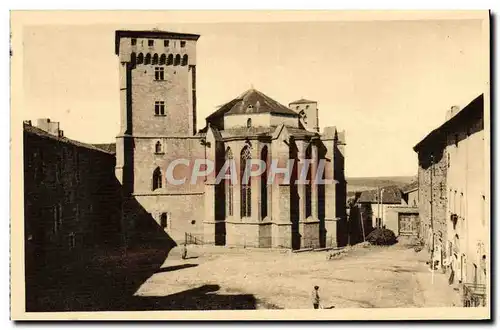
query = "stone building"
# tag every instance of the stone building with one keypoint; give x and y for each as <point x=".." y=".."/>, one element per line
<point x="374" y="204"/>
<point x="432" y="168"/>
<point x="462" y="196"/>
<point x="158" y="127"/>
<point x="71" y="201"/>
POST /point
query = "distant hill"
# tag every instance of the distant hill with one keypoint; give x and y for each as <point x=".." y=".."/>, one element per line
<point x="368" y="183"/>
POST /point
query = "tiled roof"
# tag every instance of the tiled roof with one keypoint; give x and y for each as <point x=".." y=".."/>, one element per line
<point x="110" y="147"/>
<point x="391" y="195"/>
<point x="410" y="187"/>
<point x="301" y="101"/>
<point x="252" y="102"/>
<point x="41" y="133"/>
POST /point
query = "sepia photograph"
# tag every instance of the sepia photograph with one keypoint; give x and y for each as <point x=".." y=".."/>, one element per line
<point x="316" y="165"/>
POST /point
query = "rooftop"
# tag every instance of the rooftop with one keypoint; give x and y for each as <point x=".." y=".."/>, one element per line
<point x="390" y="195"/>
<point x="474" y="108"/>
<point x="43" y="134"/>
<point x="302" y="101"/>
<point x="410" y="187"/>
<point x="151" y="34"/>
<point x="252" y="102"/>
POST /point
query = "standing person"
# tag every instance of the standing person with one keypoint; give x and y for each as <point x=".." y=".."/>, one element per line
<point x="315" y="297"/>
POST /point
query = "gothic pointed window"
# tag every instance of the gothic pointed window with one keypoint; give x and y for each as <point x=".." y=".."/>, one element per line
<point x="309" y="183"/>
<point x="246" y="194"/>
<point x="228" y="183"/>
<point x="157" y="179"/>
<point x="263" y="184"/>
<point x="177" y="59"/>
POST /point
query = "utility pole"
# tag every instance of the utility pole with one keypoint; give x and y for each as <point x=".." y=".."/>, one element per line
<point x="382" y="206"/>
<point x="378" y="206"/>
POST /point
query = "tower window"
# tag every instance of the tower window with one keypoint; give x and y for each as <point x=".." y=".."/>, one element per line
<point x="249" y="122"/>
<point x="166" y="43"/>
<point x="151" y="43"/>
<point x="158" y="147"/>
<point x="160" y="108"/>
<point x="184" y="60"/>
<point x="159" y="73"/>
<point x="163" y="220"/>
<point x="157" y="179"/>
<point x="133" y="41"/>
<point x="183" y="44"/>
<point x="177" y="59"/>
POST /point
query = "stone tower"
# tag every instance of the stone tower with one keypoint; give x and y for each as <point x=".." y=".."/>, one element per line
<point x="158" y="119"/>
<point x="308" y="112"/>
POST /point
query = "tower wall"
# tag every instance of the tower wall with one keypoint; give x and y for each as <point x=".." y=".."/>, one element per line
<point x="172" y="208"/>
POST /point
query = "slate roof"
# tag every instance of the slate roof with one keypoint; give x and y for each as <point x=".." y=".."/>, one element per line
<point x="301" y="101"/>
<point x="41" y="133"/>
<point x="252" y="102"/>
<point x="391" y="195"/>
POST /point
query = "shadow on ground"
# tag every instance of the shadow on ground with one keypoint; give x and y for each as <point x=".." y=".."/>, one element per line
<point x="106" y="278"/>
<point x="200" y="298"/>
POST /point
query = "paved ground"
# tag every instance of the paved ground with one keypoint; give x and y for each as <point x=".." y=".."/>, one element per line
<point x="222" y="278"/>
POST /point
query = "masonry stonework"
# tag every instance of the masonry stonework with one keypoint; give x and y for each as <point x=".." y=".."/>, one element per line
<point x="158" y="126"/>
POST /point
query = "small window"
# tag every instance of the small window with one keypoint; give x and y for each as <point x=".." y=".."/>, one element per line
<point x="184" y="60"/>
<point x="133" y="41"/>
<point x="160" y="108"/>
<point x="159" y="73"/>
<point x="157" y="179"/>
<point x="307" y="106"/>
<point x="249" y="122"/>
<point x="158" y="147"/>
<point x="151" y="43"/>
<point x="183" y="44"/>
<point x="163" y="220"/>
<point x="166" y="43"/>
<point x="297" y="107"/>
<point x="448" y="156"/>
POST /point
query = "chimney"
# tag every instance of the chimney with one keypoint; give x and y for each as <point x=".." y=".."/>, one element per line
<point x="61" y="133"/>
<point x="452" y="112"/>
<point x="27" y="122"/>
<point x="51" y="127"/>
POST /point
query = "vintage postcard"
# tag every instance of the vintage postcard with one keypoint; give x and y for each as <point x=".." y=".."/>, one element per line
<point x="191" y="165"/>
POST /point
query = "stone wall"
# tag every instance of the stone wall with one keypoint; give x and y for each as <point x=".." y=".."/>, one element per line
<point x="432" y="191"/>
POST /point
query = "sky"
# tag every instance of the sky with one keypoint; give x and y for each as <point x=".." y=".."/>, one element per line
<point x="386" y="83"/>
